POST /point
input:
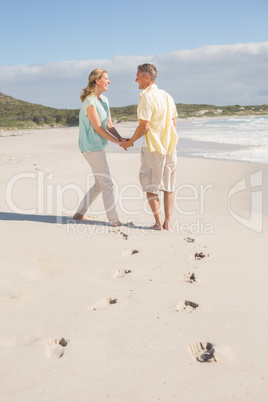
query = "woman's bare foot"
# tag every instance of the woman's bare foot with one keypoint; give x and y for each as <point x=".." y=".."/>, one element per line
<point x="157" y="226"/>
<point x="116" y="224"/>
<point x="83" y="217"/>
<point x="166" y="225"/>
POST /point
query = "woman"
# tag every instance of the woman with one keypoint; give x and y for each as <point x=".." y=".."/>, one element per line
<point x="95" y="130"/>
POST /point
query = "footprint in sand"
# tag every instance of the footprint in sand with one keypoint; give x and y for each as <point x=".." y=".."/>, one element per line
<point x="187" y="306"/>
<point x="189" y="239"/>
<point x="120" y="273"/>
<point x="103" y="304"/>
<point x="119" y="233"/>
<point x="123" y="236"/>
<point x="130" y="252"/>
<point x="203" y="352"/>
<point x="55" y="347"/>
<point x="189" y="277"/>
<point x="199" y="256"/>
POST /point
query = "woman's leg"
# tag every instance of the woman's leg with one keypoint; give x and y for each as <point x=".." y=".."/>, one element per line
<point x="103" y="184"/>
<point x="90" y="196"/>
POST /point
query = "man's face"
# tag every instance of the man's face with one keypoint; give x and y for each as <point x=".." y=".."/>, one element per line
<point x="142" y="80"/>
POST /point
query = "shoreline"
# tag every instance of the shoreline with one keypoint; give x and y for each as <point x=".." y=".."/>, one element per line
<point x="186" y="146"/>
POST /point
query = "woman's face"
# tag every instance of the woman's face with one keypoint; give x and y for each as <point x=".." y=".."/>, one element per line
<point x="103" y="82"/>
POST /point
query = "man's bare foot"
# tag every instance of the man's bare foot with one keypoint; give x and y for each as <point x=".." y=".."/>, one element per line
<point x="83" y="217"/>
<point x="116" y="224"/>
<point x="166" y="225"/>
<point x="157" y="226"/>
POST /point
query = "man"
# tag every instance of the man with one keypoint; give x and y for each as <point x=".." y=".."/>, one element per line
<point x="156" y="113"/>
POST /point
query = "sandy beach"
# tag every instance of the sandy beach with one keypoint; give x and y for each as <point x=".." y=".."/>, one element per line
<point x="93" y="314"/>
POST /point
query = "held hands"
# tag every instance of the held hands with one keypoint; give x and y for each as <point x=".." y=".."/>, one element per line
<point x="122" y="145"/>
<point x="125" y="143"/>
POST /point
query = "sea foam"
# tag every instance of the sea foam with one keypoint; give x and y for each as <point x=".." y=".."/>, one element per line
<point x="251" y="133"/>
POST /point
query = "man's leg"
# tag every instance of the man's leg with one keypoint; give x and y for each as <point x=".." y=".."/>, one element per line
<point x="154" y="203"/>
<point x="168" y="207"/>
<point x="169" y="177"/>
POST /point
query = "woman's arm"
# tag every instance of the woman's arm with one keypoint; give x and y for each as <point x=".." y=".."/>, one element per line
<point x="93" y="116"/>
<point x="112" y="129"/>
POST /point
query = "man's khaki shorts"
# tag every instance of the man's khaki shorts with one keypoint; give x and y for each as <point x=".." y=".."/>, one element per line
<point x="158" y="172"/>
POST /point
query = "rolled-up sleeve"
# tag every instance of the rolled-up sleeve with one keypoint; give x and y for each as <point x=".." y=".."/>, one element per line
<point x="145" y="109"/>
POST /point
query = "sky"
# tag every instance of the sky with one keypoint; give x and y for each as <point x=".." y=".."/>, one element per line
<point x="206" y="51"/>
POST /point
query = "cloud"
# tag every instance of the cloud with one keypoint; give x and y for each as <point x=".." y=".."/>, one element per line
<point x="221" y="75"/>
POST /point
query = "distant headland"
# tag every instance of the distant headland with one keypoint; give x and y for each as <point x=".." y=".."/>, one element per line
<point x="18" y="114"/>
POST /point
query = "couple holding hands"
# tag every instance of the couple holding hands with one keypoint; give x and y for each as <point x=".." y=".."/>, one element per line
<point x="157" y="125"/>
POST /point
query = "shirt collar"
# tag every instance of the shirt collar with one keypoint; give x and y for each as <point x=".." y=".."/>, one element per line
<point x="148" y="88"/>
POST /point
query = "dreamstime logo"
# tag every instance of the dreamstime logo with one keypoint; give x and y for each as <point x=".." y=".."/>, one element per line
<point x="255" y="220"/>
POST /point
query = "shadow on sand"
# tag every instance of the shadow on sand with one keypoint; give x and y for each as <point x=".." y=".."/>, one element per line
<point x="60" y="220"/>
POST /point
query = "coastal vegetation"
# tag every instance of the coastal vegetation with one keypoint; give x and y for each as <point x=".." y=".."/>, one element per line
<point x="18" y="114"/>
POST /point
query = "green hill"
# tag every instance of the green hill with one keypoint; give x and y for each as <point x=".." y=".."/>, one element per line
<point x="17" y="114"/>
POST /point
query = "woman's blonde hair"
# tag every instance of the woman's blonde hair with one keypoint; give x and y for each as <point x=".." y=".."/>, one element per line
<point x="91" y="86"/>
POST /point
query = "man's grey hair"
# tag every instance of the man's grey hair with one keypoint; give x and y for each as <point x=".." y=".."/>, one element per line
<point x="149" y="69"/>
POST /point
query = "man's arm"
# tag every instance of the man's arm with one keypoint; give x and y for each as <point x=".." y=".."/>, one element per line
<point x="140" y="131"/>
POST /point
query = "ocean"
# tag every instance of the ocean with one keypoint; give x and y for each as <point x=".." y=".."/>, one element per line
<point x="234" y="138"/>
